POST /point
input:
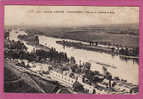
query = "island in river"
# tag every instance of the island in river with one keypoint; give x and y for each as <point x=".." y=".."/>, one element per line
<point x="93" y="46"/>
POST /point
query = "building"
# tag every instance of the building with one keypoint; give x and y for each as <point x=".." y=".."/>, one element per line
<point x="66" y="80"/>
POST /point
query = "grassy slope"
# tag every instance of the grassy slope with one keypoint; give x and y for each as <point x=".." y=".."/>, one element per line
<point x="27" y="84"/>
<point x="19" y="86"/>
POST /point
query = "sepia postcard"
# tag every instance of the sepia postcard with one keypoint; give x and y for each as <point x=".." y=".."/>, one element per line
<point x="71" y="49"/>
<point x="60" y="49"/>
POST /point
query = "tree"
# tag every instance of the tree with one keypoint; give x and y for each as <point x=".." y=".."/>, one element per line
<point x="74" y="68"/>
<point x="114" y="84"/>
<point x="72" y="60"/>
<point x="78" y="87"/>
<point x="36" y="40"/>
<point x="109" y="77"/>
<point x="97" y="79"/>
<point x="6" y="36"/>
<point x="87" y="65"/>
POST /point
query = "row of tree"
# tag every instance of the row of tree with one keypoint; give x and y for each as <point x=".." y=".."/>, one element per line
<point x="17" y="49"/>
<point x="17" y="45"/>
<point x="127" y="52"/>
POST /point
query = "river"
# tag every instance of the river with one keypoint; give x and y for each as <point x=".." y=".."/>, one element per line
<point x="127" y="70"/>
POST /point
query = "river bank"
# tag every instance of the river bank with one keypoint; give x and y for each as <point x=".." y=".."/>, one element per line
<point x="124" y="52"/>
<point x="94" y="57"/>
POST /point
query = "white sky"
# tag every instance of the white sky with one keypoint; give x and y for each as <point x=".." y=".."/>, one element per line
<point x="16" y="15"/>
